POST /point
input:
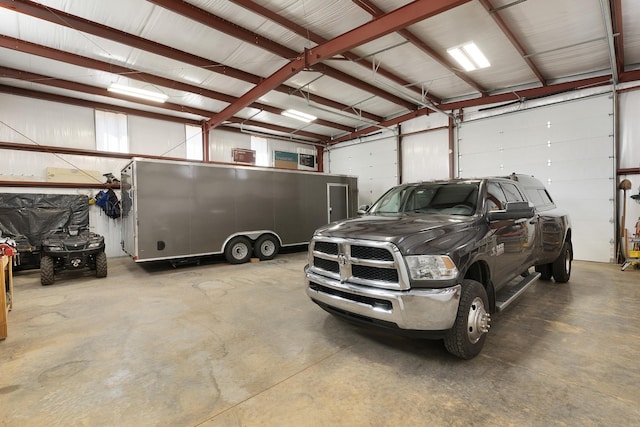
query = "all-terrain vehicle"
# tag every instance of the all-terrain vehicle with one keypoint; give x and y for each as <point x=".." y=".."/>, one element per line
<point x="71" y="248"/>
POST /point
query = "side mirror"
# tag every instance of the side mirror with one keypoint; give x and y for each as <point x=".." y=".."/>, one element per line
<point x="514" y="210"/>
<point x="362" y="209"/>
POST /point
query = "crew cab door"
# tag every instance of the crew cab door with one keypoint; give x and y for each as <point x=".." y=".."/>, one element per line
<point x="514" y="237"/>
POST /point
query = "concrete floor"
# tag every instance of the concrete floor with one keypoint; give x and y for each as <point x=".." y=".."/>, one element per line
<point x="223" y="345"/>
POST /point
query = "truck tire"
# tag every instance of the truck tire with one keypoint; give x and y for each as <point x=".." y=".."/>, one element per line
<point x="238" y="250"/>
<point x="466" y="338"/>
<point x="46" y="271"/>
<point x="267" y="247"/>
<point x="545" y="270"/>
<point x="101" y="264"/>
<point x="562" y="265"/>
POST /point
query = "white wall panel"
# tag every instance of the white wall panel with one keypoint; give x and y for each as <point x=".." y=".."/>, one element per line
<point x="629" y="139"/>
<point x="629" y="129"/>
<point x="568" y="146"/>
<point x="156" y="137"/>
<point x="26" y="120"/>
<point x="222" y="143"/>
<point x="374" y="161"/>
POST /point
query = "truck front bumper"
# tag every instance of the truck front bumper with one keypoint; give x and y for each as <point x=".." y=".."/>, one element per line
<point x="414" y="309"/>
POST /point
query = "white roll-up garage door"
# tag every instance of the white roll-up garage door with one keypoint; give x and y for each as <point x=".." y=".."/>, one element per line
<point x="569" y="147"/>
<point x="374" y="161"/>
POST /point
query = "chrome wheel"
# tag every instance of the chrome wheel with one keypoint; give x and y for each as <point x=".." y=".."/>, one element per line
<point x="478" y="321"/>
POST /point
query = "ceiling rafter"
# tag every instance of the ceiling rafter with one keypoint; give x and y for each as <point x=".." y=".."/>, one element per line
<point x="513" y="39"/>
<point x="71" y="21"/>
<point x="83" y="61"/>
<point x="375" y="11"/>
<point x="399" y="18"/>
<point x="220" y="24"/>
<point x="84" y="88"/>
<point x="46" y="96"/>
<point x="318" y="39"/>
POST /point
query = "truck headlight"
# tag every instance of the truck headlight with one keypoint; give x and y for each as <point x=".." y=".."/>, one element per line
<point x="431" y="267"/>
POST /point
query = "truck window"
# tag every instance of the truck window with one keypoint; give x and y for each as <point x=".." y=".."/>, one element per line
<point x="496" y="200"/>
<point x="512" y="192"/>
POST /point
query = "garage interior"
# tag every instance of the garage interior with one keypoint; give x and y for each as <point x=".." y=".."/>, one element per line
<point x="365" y="89"/>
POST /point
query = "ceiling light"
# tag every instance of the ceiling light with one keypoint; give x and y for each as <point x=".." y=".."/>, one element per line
<point x="138" y="93"/>
<point x="298" y="115"/>
<point x="469" y="56"/>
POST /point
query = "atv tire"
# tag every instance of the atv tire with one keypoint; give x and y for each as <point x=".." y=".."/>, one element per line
<point x="101" y="264"/>
<point x="47" y="276"/>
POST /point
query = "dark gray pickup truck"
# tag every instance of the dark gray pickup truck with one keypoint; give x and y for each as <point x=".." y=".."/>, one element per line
<point x="435" y="259"/>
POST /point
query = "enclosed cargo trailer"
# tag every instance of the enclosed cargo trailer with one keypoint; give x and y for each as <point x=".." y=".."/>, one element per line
<point x="179" y="210"/>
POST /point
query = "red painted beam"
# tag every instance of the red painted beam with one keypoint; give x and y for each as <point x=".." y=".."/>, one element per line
<point x="490" y="99"/>
<point x="82" y="61"/>
<point x="217" y="23"/>
<point x="65" y="19"/>
<point x="80" y="87"/>
<point x="318" y="39"/>
<point x="513" y="39"/>
<point x="45" y="96"/>
<point x="375" y="11"/>
<point x="399" y="18"/>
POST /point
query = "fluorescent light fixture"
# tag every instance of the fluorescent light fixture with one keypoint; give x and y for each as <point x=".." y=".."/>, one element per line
<point x="469" y="56"/>
<point x="138" y="93"/>
<point x="298" y="115"/>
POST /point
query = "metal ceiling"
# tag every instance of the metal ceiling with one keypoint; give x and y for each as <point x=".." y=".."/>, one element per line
<point x="357" y="65"/>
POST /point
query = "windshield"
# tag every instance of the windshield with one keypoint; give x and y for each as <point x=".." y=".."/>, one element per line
<point x="454" y="198"/>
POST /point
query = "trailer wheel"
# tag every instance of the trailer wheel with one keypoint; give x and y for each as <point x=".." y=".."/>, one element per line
<point x="466" y="337"/>
<point x="267" y="247"/>
<point x="46" y="271"/>
<point x="238" y="250"/>
<point x="101" y="264"/>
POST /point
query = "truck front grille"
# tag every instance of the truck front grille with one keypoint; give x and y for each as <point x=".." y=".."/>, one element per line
<point x="362" y="262"/>
<point x="373" y="273"/>
<point x="327" y="265"/>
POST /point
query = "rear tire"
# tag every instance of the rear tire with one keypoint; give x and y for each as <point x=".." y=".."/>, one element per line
<point x="238" y="250"/>
<point x="47" y="276"/>
<point x="267" y="247"/>
<point x="562" y="265"/>
<point x="466" y="338"/>
<point x="101" y="265"/>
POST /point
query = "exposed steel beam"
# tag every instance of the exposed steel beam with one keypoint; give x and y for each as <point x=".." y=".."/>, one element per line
<point x="513" y="39"/>
<point x="489" y="99"/>
<point x="217" y="23"/>
<point x="399" y="18"/>
<point x="375" y="11"/>
<point x="82" y="61"/>
<point x="318" y="39"/>
<point x="81" y="87"/>
<point x="45" y="96"/>
<point x="62" y="18"/>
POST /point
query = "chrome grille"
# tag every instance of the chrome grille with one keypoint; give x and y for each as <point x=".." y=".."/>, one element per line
<point x="362" y="262"/>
